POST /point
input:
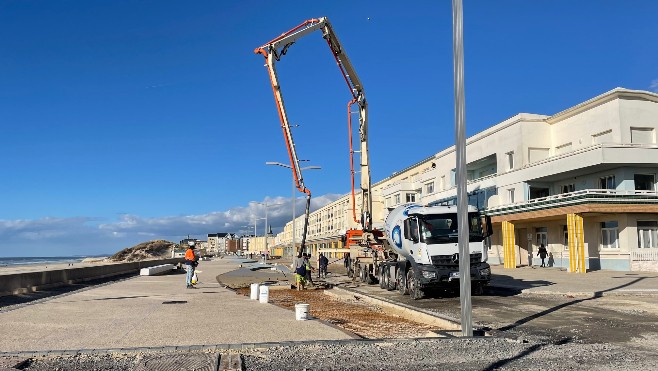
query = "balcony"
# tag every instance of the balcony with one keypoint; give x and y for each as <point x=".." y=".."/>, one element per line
<point x="587" y="196"/>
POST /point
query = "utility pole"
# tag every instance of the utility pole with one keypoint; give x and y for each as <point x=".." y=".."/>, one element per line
<point x="460" y="151"/>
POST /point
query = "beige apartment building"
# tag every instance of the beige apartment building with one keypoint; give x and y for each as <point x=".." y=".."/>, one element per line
<point x="582" y="182"/>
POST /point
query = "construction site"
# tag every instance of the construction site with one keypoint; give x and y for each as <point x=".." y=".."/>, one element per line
<point x="528" y="245"/>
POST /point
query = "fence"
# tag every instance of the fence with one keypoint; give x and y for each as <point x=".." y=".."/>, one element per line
<point x="650" y="255"/>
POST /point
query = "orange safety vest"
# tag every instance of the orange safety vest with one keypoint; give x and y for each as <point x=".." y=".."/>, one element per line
<point x="189" y="255"/>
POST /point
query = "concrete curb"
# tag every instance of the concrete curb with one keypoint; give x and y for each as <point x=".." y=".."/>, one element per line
<point x="402" y="310"/>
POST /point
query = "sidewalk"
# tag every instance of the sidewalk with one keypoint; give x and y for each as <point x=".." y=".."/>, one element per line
<point x="154" y="311"/>
<point x="537" y="280"/>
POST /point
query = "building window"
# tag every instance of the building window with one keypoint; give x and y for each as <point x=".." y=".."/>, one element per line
<point x="644" y="182"/>
<point x="429" y="188"/>
<point x="387" y="202"/>
<point x="642" y="135"/>
<point x="510" y="195"/>
<point x="397" y="199"/>
<point x="411" y="197"/>
<point x="607" y="182"/>
<point x="443" y="182"/>
<point x="541" y="236"/>
<point x="453" y="177"/>
<point x="609" y="234"/>
<point x="566" y="188"/>
<point x="647" y="234"/>
<point x="510" y="160"/>
<point x="565" y="232"/>
<point x="538" y="192"/>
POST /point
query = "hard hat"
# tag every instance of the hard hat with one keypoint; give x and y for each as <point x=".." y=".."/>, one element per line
<point x="191" y="243"/>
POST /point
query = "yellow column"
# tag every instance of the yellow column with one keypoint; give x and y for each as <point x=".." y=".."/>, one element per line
<point x="576" y="243"/>
<point x="509" y="250"/>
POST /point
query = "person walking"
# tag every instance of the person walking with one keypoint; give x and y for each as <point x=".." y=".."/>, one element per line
<point x="299" y="267"/>
<point x="542" y="254"/>
<point x="324" y="262"/>
<point x="191" y="261"/>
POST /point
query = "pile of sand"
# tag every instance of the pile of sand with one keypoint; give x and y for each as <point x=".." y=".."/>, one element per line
<point x="145" y="251"/>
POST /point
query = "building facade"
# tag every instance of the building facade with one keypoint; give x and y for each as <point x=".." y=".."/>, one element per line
<point x="222" y="243"/>
<point x="581" y="182"/>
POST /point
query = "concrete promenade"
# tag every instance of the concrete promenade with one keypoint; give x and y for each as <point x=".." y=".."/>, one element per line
<point x="554" y="281"/>
<point x="132" y="314"/>
<point x="138" y="312"/>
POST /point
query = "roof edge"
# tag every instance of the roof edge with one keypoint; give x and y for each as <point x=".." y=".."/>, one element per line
<point x="608" y="96"/>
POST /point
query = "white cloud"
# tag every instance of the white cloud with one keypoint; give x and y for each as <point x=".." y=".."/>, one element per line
<point x="234" y="220"/>
<point x="87" y="236"/>
<point x="654" y="86"/>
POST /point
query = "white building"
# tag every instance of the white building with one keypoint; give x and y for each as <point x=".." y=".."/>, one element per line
<point x="582" y="182"/>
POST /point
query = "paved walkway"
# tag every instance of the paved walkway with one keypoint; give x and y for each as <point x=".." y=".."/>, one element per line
<point x="159" y="312"/>
<point x="537" y="280"/>
<point x="132" y="314"/>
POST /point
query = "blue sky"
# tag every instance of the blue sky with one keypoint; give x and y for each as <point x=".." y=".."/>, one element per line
<point x="125" y="121"/>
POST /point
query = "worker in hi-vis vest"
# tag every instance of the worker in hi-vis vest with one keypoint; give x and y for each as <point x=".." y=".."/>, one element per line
<point x="191" y="261"/>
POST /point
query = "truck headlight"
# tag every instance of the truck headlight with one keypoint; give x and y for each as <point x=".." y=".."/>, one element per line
<point x="485" y="272"/>
<point x="429" y="274"/>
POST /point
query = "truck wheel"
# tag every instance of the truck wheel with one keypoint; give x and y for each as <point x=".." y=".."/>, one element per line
<point x="363" y="274"/>
<point x="370" y="279"/>
<point x="382" y="273"/>
<point x="414" y="286"/>
<point x="401" y="282"/>
<point x="386" y="277"/>
<point x="390" y="281"/>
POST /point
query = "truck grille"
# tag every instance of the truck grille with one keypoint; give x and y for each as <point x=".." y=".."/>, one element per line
<point x="453" y="260"/>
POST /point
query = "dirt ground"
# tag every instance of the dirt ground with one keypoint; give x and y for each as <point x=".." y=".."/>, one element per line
<point x="365" y="320"/>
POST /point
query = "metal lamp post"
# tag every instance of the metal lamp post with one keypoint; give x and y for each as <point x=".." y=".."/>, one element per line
<point x="293" y="196"/>
<point x="460" y="152"/>
<point x="256" y="221"/>
<point x="264" y="234"/>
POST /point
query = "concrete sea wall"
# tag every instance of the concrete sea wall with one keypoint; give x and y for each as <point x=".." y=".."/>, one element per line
<point x="20" y="283"/>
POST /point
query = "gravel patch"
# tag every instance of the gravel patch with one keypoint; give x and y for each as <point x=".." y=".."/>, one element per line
<point x="456" y="354"/>
<point x="420" y="354"/>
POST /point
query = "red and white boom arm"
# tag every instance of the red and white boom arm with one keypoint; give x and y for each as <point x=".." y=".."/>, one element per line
<point x="277" y="48"/>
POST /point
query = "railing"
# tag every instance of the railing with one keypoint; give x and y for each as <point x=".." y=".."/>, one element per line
<point x="578" y="197"/>
<point x="649" y="255"/>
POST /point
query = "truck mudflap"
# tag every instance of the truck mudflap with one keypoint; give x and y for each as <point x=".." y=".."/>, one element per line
<point x="432" y="276"/>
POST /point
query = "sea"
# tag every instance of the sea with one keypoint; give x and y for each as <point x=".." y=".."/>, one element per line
<point x="30" y="260"/>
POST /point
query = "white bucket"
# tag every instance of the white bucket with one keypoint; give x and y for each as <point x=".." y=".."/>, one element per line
<point x="301" y="311"/>
<point x="264" y="294"/>
<point x="254" y="291"/>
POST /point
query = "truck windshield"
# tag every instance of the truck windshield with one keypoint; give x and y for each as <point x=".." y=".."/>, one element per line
<point x="442" y="228"/>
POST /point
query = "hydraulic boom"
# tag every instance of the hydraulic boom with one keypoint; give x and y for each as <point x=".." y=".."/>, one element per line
<point x="277" y="48"/>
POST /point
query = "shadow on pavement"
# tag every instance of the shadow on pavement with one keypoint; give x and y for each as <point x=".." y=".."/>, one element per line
<point x="500" y="286"/>
<point x="500" y="363"/>
<point x="597" y="294"/>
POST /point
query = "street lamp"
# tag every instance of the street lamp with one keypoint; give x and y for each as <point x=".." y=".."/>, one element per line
<point x="293" y="194"/>
<point x="265" y="234"/>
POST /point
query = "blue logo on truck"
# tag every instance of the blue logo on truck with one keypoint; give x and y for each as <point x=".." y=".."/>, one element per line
<point x="396" y="236"/>
<point x="412" y="206"/>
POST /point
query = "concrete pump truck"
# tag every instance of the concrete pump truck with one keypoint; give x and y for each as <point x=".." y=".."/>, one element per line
<point x="417" y="249"/>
